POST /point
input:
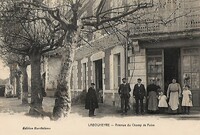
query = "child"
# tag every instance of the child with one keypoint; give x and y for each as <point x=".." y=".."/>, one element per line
<point x="187" y="99"/>
<point x="162" y="102"/>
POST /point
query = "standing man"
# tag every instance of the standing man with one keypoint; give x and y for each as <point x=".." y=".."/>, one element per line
<point x="139" y="94"/>
<point x="123" y="91"/>
<point x="91" y="101"/>
<point x="173" y="94"/>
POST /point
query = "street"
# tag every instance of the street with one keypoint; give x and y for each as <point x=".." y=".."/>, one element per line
<point x="13" y="116"/>
<point x="13" y="106"/>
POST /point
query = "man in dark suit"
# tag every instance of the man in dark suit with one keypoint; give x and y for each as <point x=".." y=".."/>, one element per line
<point x="139" y="94"/>
<point x="123" y="91"/>
<point x="91" y="101"/>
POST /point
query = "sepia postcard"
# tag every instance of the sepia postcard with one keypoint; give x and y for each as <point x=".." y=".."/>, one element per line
<point x="99" y="67"/>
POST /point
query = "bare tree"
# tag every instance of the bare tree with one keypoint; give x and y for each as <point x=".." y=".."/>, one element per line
<point x="21" y="63"/>
<point x="28" y="31"/>
<point x="45" y="28"/>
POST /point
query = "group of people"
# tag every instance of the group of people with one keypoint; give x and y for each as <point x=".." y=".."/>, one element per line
<point x="138" y="93"/>
<point x="156" y="100"/>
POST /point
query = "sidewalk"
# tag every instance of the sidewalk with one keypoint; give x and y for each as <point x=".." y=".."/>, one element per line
<point x="13" y="106"/>
<point x="107" y="120"/>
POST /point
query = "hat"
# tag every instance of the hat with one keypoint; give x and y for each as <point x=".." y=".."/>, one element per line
<point x="92" y="84"/>
<point x="139" y="79"/>
<point x="123" y="78"/>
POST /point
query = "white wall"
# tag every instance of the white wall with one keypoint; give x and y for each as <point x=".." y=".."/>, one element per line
<point x="53" y="69"/>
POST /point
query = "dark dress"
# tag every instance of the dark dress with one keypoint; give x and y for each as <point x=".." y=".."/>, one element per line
<point x="91" y="101"/>
<point x="152" y="93"/>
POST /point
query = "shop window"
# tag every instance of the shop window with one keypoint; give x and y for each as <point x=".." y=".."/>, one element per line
<point x="191" y="67"/>
<point x="186" y="63"/>
<point x="155" y="66"/>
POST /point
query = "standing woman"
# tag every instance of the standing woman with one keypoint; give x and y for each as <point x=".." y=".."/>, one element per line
<point x="152" y="96"/>
<point x="174" y="93"/>
<point x="91" y="102"/>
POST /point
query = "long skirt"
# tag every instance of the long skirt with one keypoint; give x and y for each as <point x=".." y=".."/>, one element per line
<point x="174" y="100"/>
<point x="153" y="101"/>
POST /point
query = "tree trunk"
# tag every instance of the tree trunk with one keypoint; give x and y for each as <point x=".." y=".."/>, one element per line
<point x="36" y="85"/>
<point x="62" y="105"/>
<point x="63" y="96"/>
<point x="18" y="84"/>
<point x="12" y="77"/>
<point x="24" y="84"/>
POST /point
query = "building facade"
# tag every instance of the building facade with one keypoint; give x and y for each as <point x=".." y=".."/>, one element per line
<point x="164" y="45"/>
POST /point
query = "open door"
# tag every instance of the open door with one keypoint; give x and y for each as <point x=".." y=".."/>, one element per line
<point x="163" y="65"/>
<point x="171" y="66"/>
<point x="99" y="79"/>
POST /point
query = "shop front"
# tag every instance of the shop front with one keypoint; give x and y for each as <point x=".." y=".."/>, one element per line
<point x="179" y="61"/>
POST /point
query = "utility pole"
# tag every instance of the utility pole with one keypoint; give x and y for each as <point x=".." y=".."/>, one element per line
<point x="126" y="54"/>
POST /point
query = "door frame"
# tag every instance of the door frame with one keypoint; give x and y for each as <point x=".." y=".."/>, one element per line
<point x="195" y="92"/>
<point x="94" y="72"/>
<point x="163" y="66"/>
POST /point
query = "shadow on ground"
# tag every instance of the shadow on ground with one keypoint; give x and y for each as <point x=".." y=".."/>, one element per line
<point x="192" y="116"/>
<point x="110" y="111"/>
<point x="102" y="111"/>
<point x="13" y="106"/>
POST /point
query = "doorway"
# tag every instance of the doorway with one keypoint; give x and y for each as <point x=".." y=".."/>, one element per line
<point x="98" y="74"/>
<point x="171" y="66"/>
<point x="99" y="79"/>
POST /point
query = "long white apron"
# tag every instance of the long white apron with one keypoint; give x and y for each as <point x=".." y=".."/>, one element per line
<point x="174" y="100"/>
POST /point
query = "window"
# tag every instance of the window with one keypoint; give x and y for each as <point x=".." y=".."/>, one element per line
<point x="155" y="66"/>
<point x="72" y="80"/>
<point x="117" y="70"/>
<point x="191" y="67"/>
<point x="84" y="76"/>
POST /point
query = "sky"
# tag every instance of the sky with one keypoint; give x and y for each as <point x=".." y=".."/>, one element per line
<point x="4" y="70"/>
